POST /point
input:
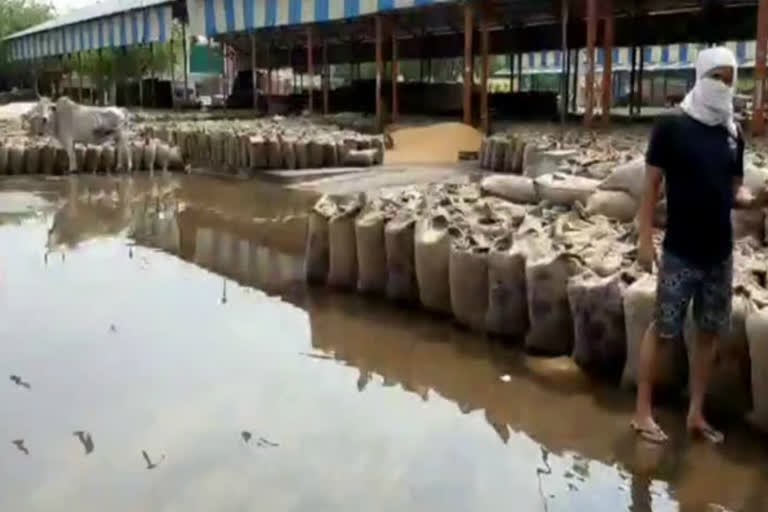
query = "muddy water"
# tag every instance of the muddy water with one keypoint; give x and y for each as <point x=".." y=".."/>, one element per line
<point x="169" y="358"/>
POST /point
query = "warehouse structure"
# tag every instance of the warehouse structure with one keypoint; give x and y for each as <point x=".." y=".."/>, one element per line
<point x="310" y="35"/>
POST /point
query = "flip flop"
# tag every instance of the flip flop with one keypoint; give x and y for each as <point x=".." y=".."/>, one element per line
<point x="652" y="435"/>
<point x="708" y="433"/>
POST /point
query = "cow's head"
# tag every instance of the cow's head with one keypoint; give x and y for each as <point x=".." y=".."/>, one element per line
<point x="40" y="117"/>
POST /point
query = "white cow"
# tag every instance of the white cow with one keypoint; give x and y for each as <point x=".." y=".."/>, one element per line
<point x="70" y="122"/>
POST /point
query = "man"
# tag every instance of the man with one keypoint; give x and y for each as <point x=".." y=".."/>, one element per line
<point x="699" y="154"/>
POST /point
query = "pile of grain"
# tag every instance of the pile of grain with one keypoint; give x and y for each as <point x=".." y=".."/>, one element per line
<point x="434" y="144"/>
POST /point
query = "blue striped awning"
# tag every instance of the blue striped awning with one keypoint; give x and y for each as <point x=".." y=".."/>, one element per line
<point x="213" y="17"/>
<point x="140" y="21"/>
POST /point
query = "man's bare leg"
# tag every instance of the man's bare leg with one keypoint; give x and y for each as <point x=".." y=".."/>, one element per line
<point x="643" y="421"/>
<point x="704" y="351"/>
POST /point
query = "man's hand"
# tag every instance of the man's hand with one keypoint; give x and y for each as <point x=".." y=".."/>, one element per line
<point x="743" y="199"/>
<point x="646" y="254"/>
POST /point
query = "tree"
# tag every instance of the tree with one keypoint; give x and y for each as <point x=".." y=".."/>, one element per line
<point x="15" y="16"/>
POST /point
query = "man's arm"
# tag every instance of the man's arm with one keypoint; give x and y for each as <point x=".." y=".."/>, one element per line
<point x="743" y="198"/>
<point x="651" y="191"/>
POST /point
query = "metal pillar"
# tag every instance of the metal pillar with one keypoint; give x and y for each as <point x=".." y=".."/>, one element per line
<point x="519" y="71"/>
<point x="511" y="72"/>
<point x="564" y="66"/>
<point x="254" y="73"/>
<point x="632" y="80"/>
<point x="379" y="74"/>
<point x="326" y="78"/>
<point x="468" y="64"/>
<point x="608" y="36"/>
<point x="80" y="76"/>
<point x="590" y="78"/>
<point x="395" y="73"/>
<point x="173" y="72"/>
<point x="186" y="61"/>
<point x="310" y="71"/>
<point x="639" y="103"/>
<point x="575" y="99"/>
<point x="485" y="124"/>
<point x="758" y="111"/>
<point x="152" y="74"/>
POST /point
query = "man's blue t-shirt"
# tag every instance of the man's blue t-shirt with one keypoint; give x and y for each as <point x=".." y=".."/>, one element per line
<point x="699" y="163"/>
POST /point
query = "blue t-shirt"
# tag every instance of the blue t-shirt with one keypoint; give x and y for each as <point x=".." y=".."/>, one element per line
<point x="699" y="163"/>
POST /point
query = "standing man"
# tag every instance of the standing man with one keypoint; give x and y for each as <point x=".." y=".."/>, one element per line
<point x="699" y="153"/>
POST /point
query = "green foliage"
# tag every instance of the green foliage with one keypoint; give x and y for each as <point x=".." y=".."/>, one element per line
<point x="18" y="15"/>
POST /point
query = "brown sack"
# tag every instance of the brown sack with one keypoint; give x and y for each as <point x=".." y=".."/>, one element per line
<point x="401" y="271"/>
<point x="507" y="301"/>
<point x="317" y="255"/>
<point x="468" y="277"/>
<point x="371" y="252"/>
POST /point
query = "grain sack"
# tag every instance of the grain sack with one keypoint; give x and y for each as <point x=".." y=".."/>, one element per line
<point x="32" y="159"/>
<point x="507" y="303"/>
<point x="549" y="314"/>
<point x="108" y="159"/>
<point x="540" y="163"/>
<point x="163" y="156"/>
<point x="613" y="204"/>
<point x="3" y="157"/>
<point x="137" y="155"/>
<point x="755" y="178"/>
<point x="174" y="159"/>
<point x="149" y="157"/>
<point x="274" y="153"/>
<point x="61" y="165"/>
<point x="217" y="150"/>
<point x="757" y="337"/>
<point x="258" y="152"/>
<point x="371" y="252"/>
<point x="432" y="247"/>
<point x="597" y="308"/>
<point x="628" y="177"/>
<point x="401" y="271"/>
<point x="181" y="141"/>
<point x="315" y="154"/>
<point x="482" y="155"/>
<point x="15" y="158"/>
<point x="639" y="305"/>
<point x="468" y="282"/>
<point x="360" y="157"/>
<point x="245" y="151"/>
<point x="289" y="154"/>
<point x="564" y="189"/>
<point x="364" y="142"/>
<point x="748" y="223"/>
<point x="163" y="134"/>
<point x="499" y="153"/>
<point x="342" y="265"/>
<point x="517" y="189"/>
<point x="728" y="388"/>
<point x="232" y="148"/>
<point x="203" y="149"/>
<point x="317" y="251"/>
<point x="192" y="149"/>
<point x="47" y="159"/>
<point x="513" y="157"/>
<point x="92" y="158"/>
<point x="302" y="154"/>
<point x="348" y="144"/>
<point x="331" y="154"/>
<point x="378" y="145"/>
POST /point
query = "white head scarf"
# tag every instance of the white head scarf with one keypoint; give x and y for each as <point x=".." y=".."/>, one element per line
<point x="711" y="101"/>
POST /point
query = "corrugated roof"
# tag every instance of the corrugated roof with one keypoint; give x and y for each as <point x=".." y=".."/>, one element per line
<point x="89" y="12"/>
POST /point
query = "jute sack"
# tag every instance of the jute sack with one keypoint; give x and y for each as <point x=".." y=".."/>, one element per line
<point x="639" y="305"/>
<point x="371" y="252"/>
<point x="401" y="270"/>
<point x="342" y="267"/>
<point x="549" y="314"/>
<point x="3" y="157"/>
<point x="137" y="155"/>
<point x="628" y="177"/>
<point x="289" y="154"/>
<point x="150" y="155"/>
<point x="468" y="282"/>
<point x="518" y="189"/>
<point x="316" y="259"/>
<point x="15" y="158"/>
<point x="507" y="304"/>
<point x="600" y="338"/>
<point x="163" y="156"/>
<point x="613" y="204"/>
<point x="302" y="154"/>
<point x="274" y="153"/>
<point x="258" y="152"/>
<point x="432" y="254"/>
<point x="315" y="154"/>
<point x="748" y="223"/>
<point x="564" y="189"/>
<point x="48" y="159"/>
<point x="360" y="157"/>
<point x="92" y="158"/>
<point x="330" y="154"/>
<point x="32" y="159"/>
<point x="757" y="335"/>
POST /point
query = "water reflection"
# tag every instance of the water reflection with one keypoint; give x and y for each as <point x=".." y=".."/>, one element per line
<point x="410" y="412"/>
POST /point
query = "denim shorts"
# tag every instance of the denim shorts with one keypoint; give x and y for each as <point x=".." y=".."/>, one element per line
<point x="708" y="286"/>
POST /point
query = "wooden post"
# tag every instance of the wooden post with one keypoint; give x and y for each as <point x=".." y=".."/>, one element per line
<point x="254" y="73"/>
<point x="590" y="78"/>
<point x="564" y="67"/>
<point x="310" y="72"/>
<point x="186" y="61"/>
<point x="468" y="63"/>
<point x="326" y="79"/>
<point x="379" y="74"/>
<point x="395" y="73"/>
<point x="485" y="124"/>
<point x="758" y="111"/>
<point x="608" y="37"/>
<point x="632" y="80"/>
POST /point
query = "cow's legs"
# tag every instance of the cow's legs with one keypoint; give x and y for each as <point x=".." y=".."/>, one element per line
<point x="70" y="148"/>
<point x="124" y="152"/>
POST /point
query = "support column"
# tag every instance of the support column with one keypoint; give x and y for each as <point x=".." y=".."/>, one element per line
<point x="468" y="64"/>
<point x="326" y="78"/>
<point x="608" y="36"/>
<point x="519" y="71"/>
<point x="311" y="72"/>
<point x="173" y="72"/>
<point x="80" y="76"/>
<point x="186" y="61"/>
<point x="632" y="80"/>
<point x="575" y="100"/>
<point x="564" y="65"/>
<point x="395" y="73"/>
<point x="639" y="102"/>
<point x="758" y="112"/>
<point x="511" y="72"/>
<point x="485" y="122"/>
<point x="379" y="74"/>
<point x="254" y="73"/>
<point x="589" y="93"/>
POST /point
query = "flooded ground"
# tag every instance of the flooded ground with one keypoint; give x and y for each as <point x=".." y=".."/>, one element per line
<point x="159" y="351"/>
